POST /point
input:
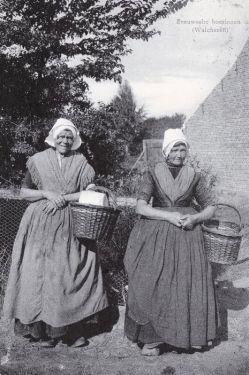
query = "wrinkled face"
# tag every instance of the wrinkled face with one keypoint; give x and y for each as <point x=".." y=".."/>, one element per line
<point x="177" y="154"/>
<point x="64" y="141"/>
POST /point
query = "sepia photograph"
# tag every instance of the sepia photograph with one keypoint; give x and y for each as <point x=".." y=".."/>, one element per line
<point x="124" y="187"/>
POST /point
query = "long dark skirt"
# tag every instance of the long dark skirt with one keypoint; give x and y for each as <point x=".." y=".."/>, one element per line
<point x="43" y="331"/>
<point x="171" y="293"/>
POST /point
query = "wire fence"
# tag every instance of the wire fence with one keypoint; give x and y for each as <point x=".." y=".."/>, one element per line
<point x="11" y="211"/>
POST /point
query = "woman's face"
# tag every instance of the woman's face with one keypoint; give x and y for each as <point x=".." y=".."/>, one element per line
<point x="177" y="154"/>
<point x="64" y="141"/>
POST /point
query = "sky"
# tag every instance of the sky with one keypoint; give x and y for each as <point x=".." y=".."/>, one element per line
<point x="175" y="71"/>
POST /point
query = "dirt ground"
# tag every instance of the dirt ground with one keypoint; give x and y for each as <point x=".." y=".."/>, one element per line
<point x="110" y="353"/>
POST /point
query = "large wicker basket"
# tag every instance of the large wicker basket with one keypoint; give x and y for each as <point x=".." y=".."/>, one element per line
<point x="222" y="239"/>
<point x="95" y="222"/>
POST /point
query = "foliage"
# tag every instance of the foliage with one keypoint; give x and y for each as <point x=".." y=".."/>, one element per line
<point x="124" y="184"/>
<point x="101" y="143"/>
<point x="101" y="130"/>
<point x="106" y="135"/>
<point x="104" y="143"/>
<point x="110" y="132"/>
<point x="112" y="255"/>
<point x="130" y="119"/>
<point x="17" y="142"/>
<point x="48" y="47"/>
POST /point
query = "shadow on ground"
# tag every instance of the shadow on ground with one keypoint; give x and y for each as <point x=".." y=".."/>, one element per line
<point x="109" y="353"/>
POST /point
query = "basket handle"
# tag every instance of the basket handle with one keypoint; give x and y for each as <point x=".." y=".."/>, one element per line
<point x="233" y="208"/>
<point x="110" y="196"/>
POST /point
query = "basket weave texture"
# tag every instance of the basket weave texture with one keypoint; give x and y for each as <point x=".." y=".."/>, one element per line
<point x="222" y="239"/>
<point x="95" y="222"/>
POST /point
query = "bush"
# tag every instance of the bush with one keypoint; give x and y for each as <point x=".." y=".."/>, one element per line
<point x="125" y="186"/>
<point x="100" y="129"/>
<point x="112" y="255"/>
<point x="123" y="183"/>
<point x="17" y="143"/>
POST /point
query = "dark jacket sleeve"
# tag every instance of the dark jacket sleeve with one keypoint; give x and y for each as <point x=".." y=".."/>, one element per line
<point x="204" y="193"/>
<point x="27" y="181"/>
<point x="146" y="188"/>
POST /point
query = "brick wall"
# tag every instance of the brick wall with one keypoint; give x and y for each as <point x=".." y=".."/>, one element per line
<point x="218" y="131"/>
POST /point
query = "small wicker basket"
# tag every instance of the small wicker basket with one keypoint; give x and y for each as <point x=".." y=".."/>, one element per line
<point x="95" y="222"/>
<point x="222" y="239"/>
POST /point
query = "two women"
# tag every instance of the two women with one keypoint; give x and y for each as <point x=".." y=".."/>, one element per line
<point x="171" y="295"/>
<point x="55" y="283"/>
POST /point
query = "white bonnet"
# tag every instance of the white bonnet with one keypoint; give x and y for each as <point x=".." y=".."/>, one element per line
<point x="60" y="125"/>
<point x="171" y="137"/>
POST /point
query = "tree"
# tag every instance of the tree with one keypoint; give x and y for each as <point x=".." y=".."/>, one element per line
<point x="39" y="39"/>
<point x="129" y="118"/>
<point x="17" y="142"/>
<point x="102" y="144"/>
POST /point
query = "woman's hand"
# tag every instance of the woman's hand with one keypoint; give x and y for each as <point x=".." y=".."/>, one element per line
<point x="50" y="195"/>
<point x="57" y="199"/>
<point x="144" y="209"/>
<point x="50" y="208"/>
<point x="188" y="221"/>
<point x="90" y="187"/>
<point x="60" y="202"/>
<point x="175" y="218"/>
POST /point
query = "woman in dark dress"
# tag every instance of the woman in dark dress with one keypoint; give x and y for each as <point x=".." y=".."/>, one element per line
<point x="171" y="294"/>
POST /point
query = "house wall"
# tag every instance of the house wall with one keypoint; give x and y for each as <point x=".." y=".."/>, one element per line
<point x="218" y="131"/>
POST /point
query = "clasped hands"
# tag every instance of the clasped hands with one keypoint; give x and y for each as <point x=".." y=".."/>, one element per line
<point x="54" y="202"/>
<point x="183" y="221"/>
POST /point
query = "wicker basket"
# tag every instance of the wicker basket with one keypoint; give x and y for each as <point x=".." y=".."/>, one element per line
<point x="222" y="239"/>
<point x="95" y="222"/>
